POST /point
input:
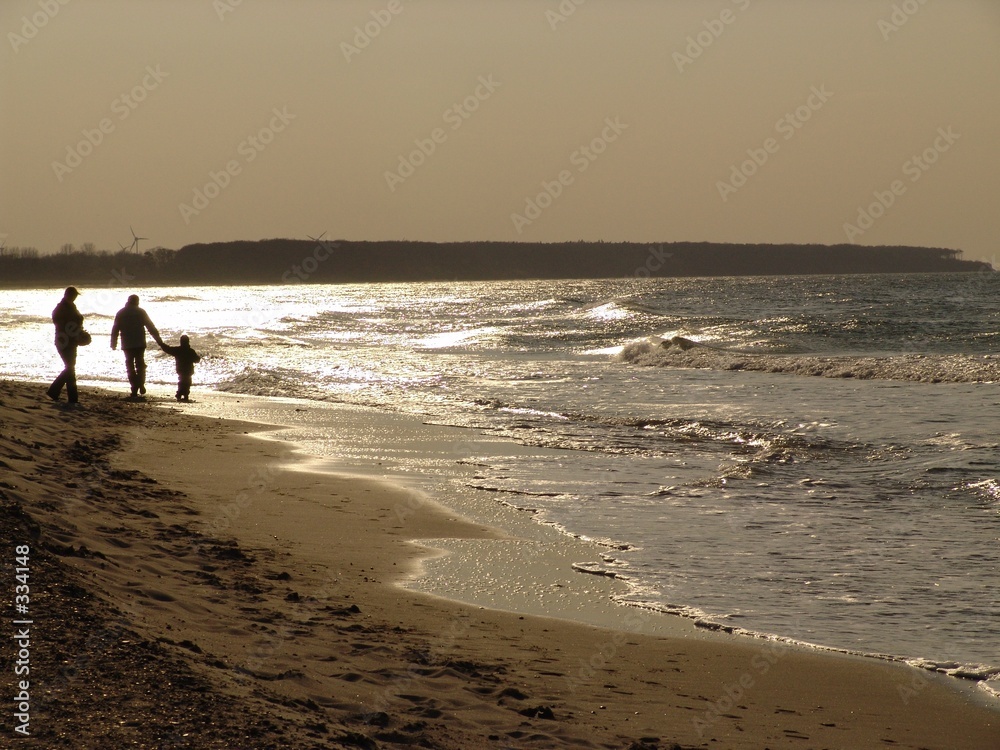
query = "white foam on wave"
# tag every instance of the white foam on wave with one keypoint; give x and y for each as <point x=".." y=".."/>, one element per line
<point x="991" y="688"/>
<point x="988" y="488"/>
<point x="986" y="677"/>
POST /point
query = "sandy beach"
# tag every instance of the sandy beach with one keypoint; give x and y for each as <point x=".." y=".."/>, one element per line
<point x="190" y="589"/>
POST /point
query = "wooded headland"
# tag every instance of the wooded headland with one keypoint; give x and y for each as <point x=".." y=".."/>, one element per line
<point x="285" y="261"/>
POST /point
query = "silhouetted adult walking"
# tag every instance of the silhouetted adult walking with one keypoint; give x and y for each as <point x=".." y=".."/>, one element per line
<point x="133" y="322"/>
<point x="69" y="329"/>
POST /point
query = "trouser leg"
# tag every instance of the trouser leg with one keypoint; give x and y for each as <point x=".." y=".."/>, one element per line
<point x="130" y="371"/>
<point x="55" y="390"/>
<point x="135" y="366"/>
<point x="67" y="377"/>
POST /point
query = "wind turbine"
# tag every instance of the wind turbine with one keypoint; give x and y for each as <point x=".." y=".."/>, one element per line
<point x="317" y="239"/>
<point x="135" y="240"/>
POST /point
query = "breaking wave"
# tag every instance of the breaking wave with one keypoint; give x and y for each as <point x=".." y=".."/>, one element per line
<point x="275" y="382"/>
<point x="679" y="352"/>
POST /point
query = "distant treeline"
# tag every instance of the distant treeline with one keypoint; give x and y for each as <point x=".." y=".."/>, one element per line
<point x="282" y="261"/>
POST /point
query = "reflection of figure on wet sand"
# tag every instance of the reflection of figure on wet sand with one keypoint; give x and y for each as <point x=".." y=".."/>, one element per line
<point x="69" y="327"/>
<point x="133" y="322"/>
<point x="184" y="357"/>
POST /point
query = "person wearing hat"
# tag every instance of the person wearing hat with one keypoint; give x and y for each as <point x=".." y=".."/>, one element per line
<point x="69" y="335"/>
<point x="132" y="322"/>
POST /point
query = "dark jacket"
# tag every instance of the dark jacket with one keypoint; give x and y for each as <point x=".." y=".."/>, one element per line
<point x="132" y="322"/>
<point x="184" y="357"/>
<point x="68" y="322"/>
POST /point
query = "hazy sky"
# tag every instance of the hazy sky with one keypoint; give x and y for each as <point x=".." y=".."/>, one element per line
<point x="534" y="120"/>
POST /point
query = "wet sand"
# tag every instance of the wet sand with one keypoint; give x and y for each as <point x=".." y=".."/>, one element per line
<point x="188" y="589"/>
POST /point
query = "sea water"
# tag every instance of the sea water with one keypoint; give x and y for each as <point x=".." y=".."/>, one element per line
<point x="810" y="457"/>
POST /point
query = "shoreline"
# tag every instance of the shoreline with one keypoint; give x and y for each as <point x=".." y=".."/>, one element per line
<point x="568" y="581"/>
<point x="273" y="609"/>
<point x="558" y="588"/>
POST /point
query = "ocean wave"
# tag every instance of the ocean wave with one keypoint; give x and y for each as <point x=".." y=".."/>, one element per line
<point x="680" y="352"/>
<point x="176" y="298"/>
<point x="277" y="339"/>
<point x="988" y="489"/>
<point x="621" y="307"/>
<point x="339" y="319"/>
<point x="273" y="382"/>
<point x="991" y="687"/>
<point x="757" y="447"/>
<point x="17" y="321"/>
<point x="975" y="672"/>
<point x="986" y="677"/>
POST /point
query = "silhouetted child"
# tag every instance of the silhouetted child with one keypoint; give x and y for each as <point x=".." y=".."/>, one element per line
<point x="184" y="357"/>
